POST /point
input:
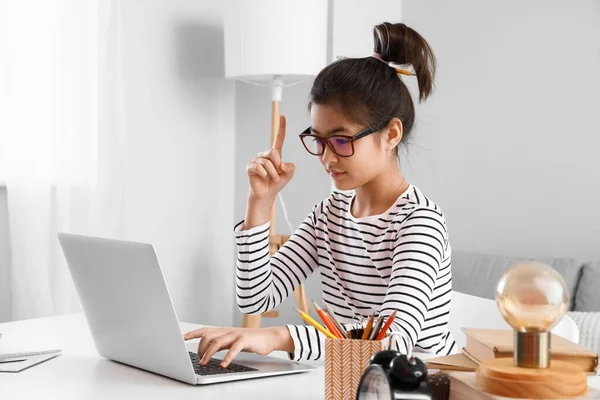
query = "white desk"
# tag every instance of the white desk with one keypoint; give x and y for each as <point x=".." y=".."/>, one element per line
<point x="80" y="373"/>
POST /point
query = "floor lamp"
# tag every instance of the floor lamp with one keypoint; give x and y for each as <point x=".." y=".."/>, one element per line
<point x="275" y="43"/>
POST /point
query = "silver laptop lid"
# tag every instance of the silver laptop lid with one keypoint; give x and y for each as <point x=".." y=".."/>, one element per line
<point x="127" y="304"/>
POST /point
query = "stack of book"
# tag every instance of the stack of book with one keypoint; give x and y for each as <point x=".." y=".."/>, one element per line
<point x="486" y="344"/>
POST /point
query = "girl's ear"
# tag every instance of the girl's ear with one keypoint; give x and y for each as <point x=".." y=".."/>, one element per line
<point x="394" y="135"/>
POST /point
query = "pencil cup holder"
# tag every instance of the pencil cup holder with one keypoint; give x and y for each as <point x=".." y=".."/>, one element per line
<point x="345" y="362"/>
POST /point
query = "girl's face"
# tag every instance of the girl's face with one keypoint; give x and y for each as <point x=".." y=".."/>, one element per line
<point x="371" y="153"/>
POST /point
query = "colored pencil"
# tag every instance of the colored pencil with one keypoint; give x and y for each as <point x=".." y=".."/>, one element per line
<point x="335" y="321"/>
<point x="328" y="322"/>
<point x="315" y="324"/>
<point x="376" y="328"/>
<point x="368" y="328"/>
<point x="389" y="321"/>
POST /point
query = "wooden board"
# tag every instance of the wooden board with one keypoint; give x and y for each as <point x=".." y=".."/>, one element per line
<point x="463" y="386"/>
<point x="560" y="380"/>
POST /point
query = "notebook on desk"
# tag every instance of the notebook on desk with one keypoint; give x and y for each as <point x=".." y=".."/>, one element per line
<point x="17" y="362"/>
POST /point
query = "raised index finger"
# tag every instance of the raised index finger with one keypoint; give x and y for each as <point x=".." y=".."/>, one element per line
<point x="280" y="137"/>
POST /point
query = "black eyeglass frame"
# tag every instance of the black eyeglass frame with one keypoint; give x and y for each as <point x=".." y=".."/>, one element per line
<point x="365" y="132"/>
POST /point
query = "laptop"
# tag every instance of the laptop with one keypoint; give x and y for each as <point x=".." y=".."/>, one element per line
<point x="132" y="319"/>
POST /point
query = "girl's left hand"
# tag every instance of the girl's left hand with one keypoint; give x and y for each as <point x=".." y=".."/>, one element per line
<point x="261" y="341"/>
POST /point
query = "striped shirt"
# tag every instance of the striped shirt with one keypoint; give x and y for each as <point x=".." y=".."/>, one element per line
<point x="399" y="260"/>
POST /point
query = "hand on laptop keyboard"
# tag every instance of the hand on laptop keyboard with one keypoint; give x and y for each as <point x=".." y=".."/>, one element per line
<point x="261" y="341"/>
<point x="213" y="366"/>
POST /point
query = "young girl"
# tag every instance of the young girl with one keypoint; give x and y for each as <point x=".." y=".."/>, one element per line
<point x="382" y="248"/>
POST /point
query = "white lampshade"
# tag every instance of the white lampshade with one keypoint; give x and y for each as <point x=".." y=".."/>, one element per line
<point x="267" y="38"/>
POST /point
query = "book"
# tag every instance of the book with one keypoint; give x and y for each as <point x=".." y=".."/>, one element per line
<point x="487" y="344"/>
<point x="469" y="356"/>
<point x="463" y="386"/>
<point x="454" y="362"/>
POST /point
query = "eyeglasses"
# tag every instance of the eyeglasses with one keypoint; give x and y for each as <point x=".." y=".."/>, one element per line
<point x="341" y="145"/>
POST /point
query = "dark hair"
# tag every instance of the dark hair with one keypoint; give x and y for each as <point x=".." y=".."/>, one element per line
<point x="369" y="92"/>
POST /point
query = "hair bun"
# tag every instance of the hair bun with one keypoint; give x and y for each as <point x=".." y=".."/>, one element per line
<point x="400" y="44"/>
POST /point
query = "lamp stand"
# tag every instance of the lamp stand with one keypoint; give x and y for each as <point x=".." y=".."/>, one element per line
<point x="276" y="241"/>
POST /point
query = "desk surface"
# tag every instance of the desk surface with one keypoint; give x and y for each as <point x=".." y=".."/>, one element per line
<point x="80" y="373"/>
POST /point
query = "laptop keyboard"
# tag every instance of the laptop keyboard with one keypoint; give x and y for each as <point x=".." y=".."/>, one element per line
<point x="213" y="367"/>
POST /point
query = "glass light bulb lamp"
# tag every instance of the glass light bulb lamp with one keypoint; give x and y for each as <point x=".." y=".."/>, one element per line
<point x="532" y="298"/>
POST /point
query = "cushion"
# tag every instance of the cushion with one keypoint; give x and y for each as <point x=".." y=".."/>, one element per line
<point x="588" y="293"/>
<point x="478" y="274"/>
<point x="589" y="328"/>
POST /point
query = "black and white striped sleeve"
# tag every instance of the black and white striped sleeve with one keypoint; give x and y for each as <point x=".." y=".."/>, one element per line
<point x="418" y="253"/>
<point x="309" y="343"/>
<point x="263" y="282"/>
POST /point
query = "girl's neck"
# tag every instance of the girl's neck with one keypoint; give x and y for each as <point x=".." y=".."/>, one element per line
<point x="378" y="195"/>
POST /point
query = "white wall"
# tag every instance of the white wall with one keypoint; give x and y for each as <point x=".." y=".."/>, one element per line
<point x="175" y="181"/>
<point x="509" y="144"/>
<point x="353" y="21"/>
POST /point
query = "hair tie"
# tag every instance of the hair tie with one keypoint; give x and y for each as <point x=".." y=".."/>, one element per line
<point x="402" y="69"/>
<point x="405" y="69"/>
<point x="377" y="56"/>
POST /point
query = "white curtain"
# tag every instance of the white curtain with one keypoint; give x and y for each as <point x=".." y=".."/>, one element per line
<point x="59" y="76"/>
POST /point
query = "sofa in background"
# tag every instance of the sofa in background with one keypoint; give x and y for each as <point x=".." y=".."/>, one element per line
<point x="478" y="274"/>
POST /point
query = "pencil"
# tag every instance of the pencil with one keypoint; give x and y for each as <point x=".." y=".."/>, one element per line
<point x="328" y="322"/>
<point x="368" y="328"/>
<point x="335" y="321"/>
<point x="314" y="323"/>
<point x="376" y="328"/>
<point x="386" y="326"/>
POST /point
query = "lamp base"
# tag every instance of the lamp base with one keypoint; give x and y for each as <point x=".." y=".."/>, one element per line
<point x="501" y="377"/>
